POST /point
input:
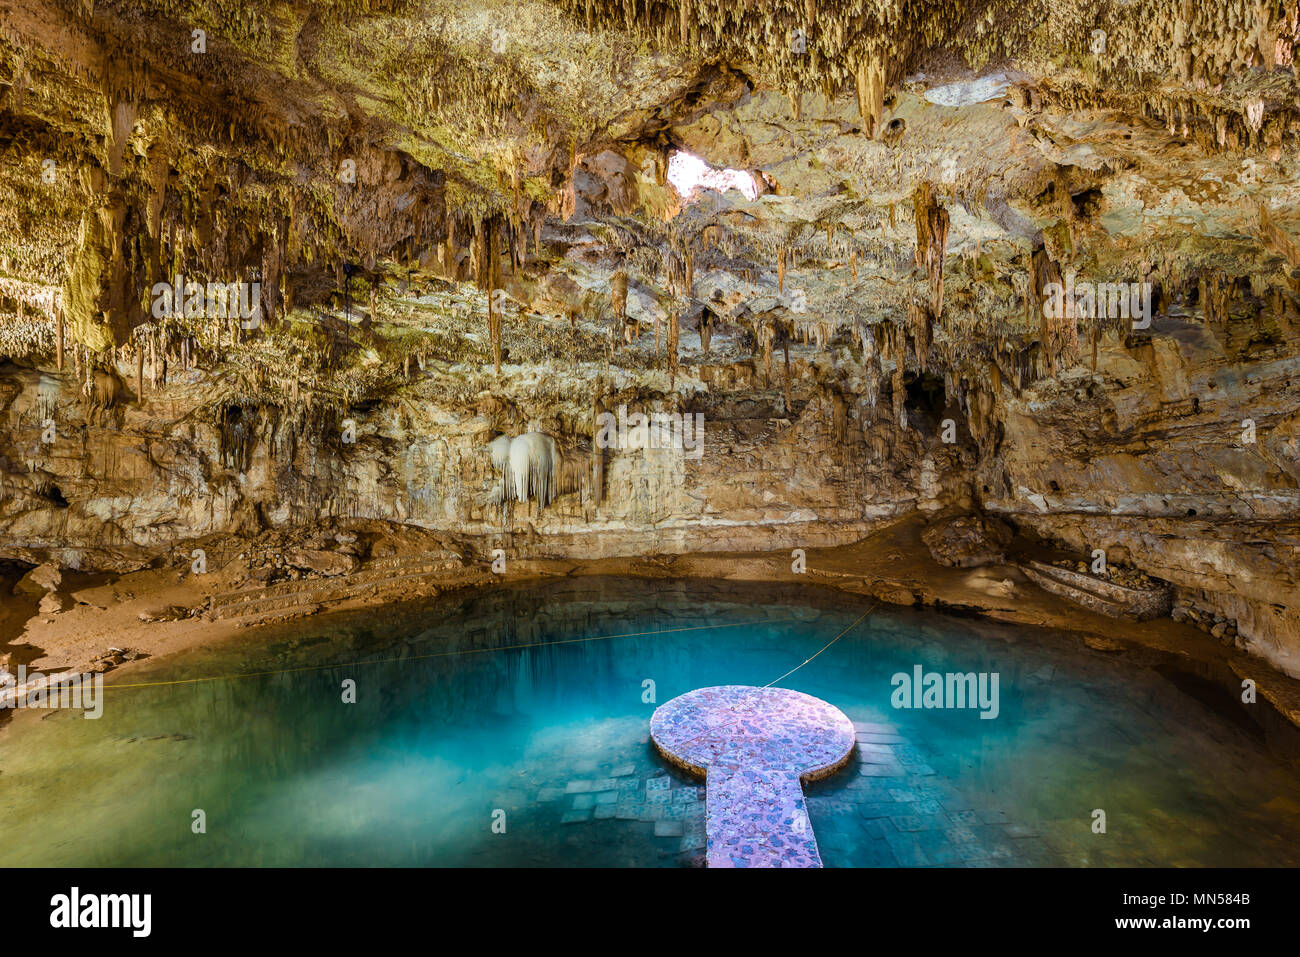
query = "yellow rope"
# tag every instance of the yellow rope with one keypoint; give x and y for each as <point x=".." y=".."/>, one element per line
<point x="735" y="711"/>
<point x="823" y="648"/>
<point x="446" y="654"/>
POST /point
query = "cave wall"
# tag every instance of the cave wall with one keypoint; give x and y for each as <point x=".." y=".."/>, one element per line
<point x="1148" y="458"/>
<point x="120" y="489"/>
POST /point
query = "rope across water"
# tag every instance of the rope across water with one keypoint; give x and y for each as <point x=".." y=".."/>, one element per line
<point x="444" y="654"/>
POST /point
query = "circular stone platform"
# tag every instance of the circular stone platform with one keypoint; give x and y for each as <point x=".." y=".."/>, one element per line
<point x="754" y="747"/>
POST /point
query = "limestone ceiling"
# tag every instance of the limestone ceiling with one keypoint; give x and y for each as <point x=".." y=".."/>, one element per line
<point x="1124" y="136"/>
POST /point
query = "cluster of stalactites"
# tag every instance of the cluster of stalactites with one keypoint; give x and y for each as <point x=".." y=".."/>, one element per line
<point x="980" y="407"/>
<point x="679" y="266"/>
<point x="856" y="45"/>
<point x="1058" y="330"/>
<point x="529" y="466"/>
<point x="492" y="239"/>
<point x="932" y="223"/>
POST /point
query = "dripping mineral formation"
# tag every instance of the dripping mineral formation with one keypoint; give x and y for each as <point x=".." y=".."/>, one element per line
<point x="347" y="299"/>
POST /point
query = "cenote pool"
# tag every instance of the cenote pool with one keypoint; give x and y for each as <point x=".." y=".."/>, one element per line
<point x="516" y="706"/>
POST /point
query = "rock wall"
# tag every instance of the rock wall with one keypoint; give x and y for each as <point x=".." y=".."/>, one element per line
<point x="1152" y="458"/>
<point x="119" y="489"/>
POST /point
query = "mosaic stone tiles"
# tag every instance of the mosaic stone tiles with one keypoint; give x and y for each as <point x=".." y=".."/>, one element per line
<point x="755" y="747"/>
<point x="898" y="806"/>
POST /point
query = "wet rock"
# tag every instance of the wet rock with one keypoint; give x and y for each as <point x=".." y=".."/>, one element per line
<point x="1098" y="643"/>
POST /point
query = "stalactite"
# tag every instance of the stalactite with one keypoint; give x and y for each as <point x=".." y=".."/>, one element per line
<point x="980" y="417"/>
<point x="673" y="320"/>
<point x="867" y="341"/>
<point x="785" y="351"/>
<point x="919" y="319"/>
<point x="490" y="269"/>
<point x="839" y="418"/>
<point x="569" y="195"/>
<point x="932" y="224"/>
<point x="1058" y="333"/>
<point x="872" y="391"/>
<point x="1215" y="292"/>
<point x="899" y="395"/>
<point x="529" y="465"/>
<point x="781" y="256"/>
<point x="618" y="295"/>
<point x="870" y="77"/>
<point x="494" y="332"/>
<point x="597" y="453"/>
<point x="822" y="332"/>
<point x="766" y="335"/>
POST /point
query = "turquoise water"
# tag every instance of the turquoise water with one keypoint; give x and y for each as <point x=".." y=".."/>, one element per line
<point x="454" y="729"/>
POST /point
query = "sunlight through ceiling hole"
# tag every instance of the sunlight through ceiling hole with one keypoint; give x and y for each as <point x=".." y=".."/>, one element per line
<point x="689" y="174"/>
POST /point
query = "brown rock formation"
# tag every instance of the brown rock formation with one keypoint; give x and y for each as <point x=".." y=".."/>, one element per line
<point x="515" y="200"/>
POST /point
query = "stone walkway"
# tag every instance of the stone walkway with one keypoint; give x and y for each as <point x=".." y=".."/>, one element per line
<point x="888" y="808"/>
<point x="755" y="747"/>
